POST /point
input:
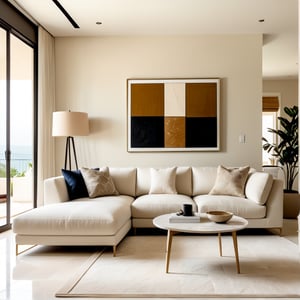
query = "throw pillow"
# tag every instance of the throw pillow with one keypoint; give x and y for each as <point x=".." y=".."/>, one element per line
<point x="230" y="181"/>
<point x="98" y="183"/>
<point x="75" y="184"/>
<point x="163" y="181"/>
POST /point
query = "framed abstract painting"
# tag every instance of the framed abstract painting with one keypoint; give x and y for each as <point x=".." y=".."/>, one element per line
<point x="173" y="115"/>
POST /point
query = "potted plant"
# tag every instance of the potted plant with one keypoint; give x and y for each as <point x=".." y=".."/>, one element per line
<point x="286" y="153"/>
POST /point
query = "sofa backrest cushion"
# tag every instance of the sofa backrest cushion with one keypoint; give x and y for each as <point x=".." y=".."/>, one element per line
<point x="258" y="187"/>
<point x="124" y="180"/>
<point x="183" y="181"/>
<point x="55" y="190"/>
<point x="203" y="179"/>
<point x="143" y="181"/>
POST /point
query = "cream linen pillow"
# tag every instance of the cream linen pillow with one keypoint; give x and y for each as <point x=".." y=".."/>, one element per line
<point x="230" y="181"/>
<point x="163" y="181"/>
<point x="98" y="183"/>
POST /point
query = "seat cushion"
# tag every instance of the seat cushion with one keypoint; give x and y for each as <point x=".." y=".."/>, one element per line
<point x="240" y="206"/>
<point x="151" y="206"/>
<point x="98" y="216"/>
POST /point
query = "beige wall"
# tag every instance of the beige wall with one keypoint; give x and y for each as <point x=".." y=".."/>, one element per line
<point x="91" y="76"/>
<point x="287" y="90"/>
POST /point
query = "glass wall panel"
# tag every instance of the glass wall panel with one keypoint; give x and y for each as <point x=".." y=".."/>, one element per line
<point x="3" y="195"/>
<point x="16" y="127"/>
<point x="18" y="114"/>
<point x="21" y="124"/>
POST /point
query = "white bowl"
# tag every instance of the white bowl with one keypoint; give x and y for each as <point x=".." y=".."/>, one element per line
<point x="219" y="216"/>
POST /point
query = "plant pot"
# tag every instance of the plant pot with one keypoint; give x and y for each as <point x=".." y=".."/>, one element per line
<point x="291" y="205"/>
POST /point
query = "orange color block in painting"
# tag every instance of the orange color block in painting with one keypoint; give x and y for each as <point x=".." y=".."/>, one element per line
<point x="147" y="100"/>
<point x="174" y="132"/>
<point x="201" y="100"/>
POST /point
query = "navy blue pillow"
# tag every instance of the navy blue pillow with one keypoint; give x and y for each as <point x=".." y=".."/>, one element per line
<point x="75" y="184"/>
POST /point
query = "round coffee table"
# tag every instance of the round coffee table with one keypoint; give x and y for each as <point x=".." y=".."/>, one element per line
<point x="205" y="226"/>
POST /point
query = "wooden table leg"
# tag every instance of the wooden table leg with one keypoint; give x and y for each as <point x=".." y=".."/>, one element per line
<point x="169" y="246"/>
<point x="236" y="251"/>
<point x="220" y="243"/>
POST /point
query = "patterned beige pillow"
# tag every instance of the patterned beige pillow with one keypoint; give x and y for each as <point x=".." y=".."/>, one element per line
<point x="98" y="183"/>
<point x="163" y="181"/>
<point x="230" y="181"/>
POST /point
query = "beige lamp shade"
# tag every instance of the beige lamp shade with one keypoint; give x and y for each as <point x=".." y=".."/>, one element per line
<point x="70" y="123"/>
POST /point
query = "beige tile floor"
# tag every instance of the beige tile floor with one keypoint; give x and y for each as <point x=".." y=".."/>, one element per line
<point x="41" y="271"/>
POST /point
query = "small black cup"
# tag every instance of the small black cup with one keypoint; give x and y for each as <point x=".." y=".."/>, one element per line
<point x="187" y="210"/>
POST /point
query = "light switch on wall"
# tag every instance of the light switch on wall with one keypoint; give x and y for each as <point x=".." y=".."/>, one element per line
<point x="242" y="138"/>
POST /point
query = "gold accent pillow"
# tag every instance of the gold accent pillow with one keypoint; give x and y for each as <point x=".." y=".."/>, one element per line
<point x="230" y="181"/>
<point x="98" y="183"/>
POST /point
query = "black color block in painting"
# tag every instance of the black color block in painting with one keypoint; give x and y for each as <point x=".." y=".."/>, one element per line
<point x="201" y="132"/>
<point x="147" y="132"/>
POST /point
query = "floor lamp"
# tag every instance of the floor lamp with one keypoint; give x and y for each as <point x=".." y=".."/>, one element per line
<point x="69" y="124"/>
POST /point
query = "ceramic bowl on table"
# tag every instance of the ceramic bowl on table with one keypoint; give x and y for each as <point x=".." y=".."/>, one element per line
<point x="219" y="216"/>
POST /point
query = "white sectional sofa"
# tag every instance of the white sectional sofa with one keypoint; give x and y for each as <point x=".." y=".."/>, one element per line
<point x="138" y="198"/>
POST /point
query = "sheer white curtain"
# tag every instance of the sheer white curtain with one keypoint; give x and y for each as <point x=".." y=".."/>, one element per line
<point x="46" y="105"/>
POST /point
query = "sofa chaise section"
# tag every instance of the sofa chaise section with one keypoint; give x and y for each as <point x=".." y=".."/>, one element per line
<point x="99" y="221"/>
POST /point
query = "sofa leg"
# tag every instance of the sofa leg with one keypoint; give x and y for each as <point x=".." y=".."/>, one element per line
<point x="114" y="250"/>
<point x="17" y="249"/>
<point x="276" y="230"/>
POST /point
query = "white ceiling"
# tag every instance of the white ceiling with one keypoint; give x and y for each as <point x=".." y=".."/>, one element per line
<point x="182" y="17"/>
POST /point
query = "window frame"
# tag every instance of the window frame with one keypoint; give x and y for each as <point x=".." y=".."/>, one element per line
<point x="275" y="114"/>
<point x="17" y="24"/>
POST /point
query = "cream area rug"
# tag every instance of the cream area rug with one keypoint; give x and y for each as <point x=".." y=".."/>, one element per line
<point x="270" y="267"/>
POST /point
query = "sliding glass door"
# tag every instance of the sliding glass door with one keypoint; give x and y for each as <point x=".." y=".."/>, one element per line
<point x="4" y="180"/>
<point x="21" y="124"/>
<point x="16" y="127"/>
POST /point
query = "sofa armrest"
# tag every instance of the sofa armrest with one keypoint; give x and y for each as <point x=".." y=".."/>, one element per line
<point x="55" y="190"/>
<point x="275" y="203"/>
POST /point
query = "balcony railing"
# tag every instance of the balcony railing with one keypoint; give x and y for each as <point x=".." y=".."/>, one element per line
<point x="20" y="164"/>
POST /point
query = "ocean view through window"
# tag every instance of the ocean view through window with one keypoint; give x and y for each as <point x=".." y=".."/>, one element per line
<point x="16" y="131"/>
<point x="21" y="158"/>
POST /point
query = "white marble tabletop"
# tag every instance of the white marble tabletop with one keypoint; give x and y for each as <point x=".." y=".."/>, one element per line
<point x="204" y="226"/>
